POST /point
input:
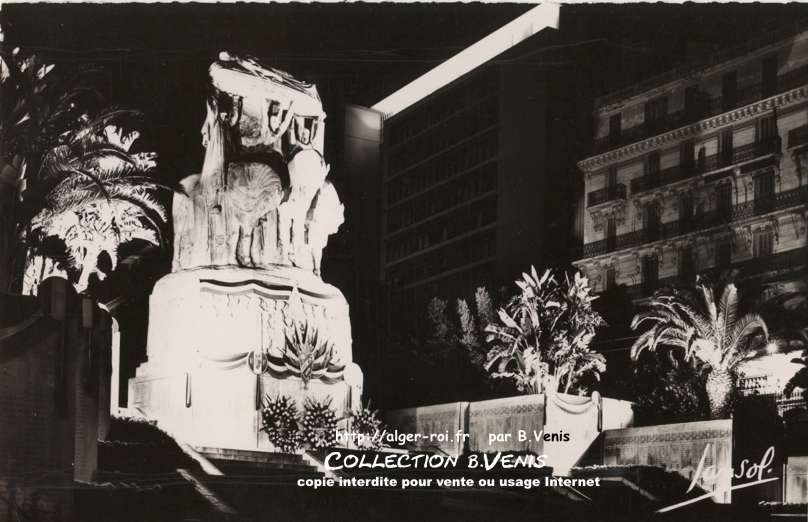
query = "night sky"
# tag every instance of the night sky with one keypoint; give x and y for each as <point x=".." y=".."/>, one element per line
<point x="156" y="56"/>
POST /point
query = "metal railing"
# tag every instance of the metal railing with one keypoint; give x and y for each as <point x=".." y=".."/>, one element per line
<point x="748" y="268"/>
<point x="701" y="109"/>
<point x="705" y="220"/>
<point x="663" y="177"/>
<point x="610" y="193"/>
<point x="705" y="164"/>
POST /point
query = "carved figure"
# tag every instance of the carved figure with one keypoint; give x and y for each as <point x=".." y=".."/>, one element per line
<point x="251" y="205"/>
<point x="324" y="218"/>
<point x="307" y="172"/>
<point x="277" y="125"/>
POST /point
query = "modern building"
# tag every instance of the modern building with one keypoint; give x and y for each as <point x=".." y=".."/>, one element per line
<point x="470" y="193"/>
<point x="703" y="169"/>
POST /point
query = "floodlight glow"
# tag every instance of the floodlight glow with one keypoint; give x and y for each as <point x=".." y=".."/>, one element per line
<point x="771" y="348"/>
<point x="540" y="17"/>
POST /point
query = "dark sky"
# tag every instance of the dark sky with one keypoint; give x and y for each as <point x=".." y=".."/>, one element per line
<point x="156" y="56"/>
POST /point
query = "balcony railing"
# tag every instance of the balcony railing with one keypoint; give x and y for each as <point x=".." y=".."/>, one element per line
<point x="712" y="218"/>
<point x="748" y="268"/>
<point x="702" y="109"/>
<point x="705" y="164"/>
<point x="610" y="193"/>
<point x="664" y="177"/>
<point x="739" y="154"/>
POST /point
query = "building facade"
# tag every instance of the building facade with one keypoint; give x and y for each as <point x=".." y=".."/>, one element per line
<point x="478" y="177"/>
<point x="703" y="171"/>
<point x="459" y="174"/>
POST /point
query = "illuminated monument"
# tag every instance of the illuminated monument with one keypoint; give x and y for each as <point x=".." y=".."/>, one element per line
<point x="244" y="312"/>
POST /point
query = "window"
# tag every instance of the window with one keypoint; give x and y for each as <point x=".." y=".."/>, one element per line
<point x="725" y="149"/>
<point x="687" y="264"/>
<point x="610" y="278"/>
<point x="762" y="243"/>
<point x="764" y="192"/>
<point x="615" y="128"/>
<point x="652" y="166"/>
<point x="611" y="177"/>
<point x="729" y="91"/>
<point x="687" y="156"/>
<point x="651" y="222"/>
<point x="650" y="273"/>
<point x="655" y="113"/>
<point x="766" y="134"/>
<point x="724" y="201"/>
<point x="685" y="213"/>
<point x="611" y="232"/>
<point x="702" y="159"/>
<point x="723" y="254"/>
<point x="692" y="108"/>
<point x="768" y="76"/>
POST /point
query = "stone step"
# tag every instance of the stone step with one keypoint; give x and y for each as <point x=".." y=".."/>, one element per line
<point x="231" y="467"/>
<point x="237" y="461"/>
<point x="241" y="455"/>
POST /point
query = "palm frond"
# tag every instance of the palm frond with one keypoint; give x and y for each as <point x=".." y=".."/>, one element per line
<point x="744" y="327"/>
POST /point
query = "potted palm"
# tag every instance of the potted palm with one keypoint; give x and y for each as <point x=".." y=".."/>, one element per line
<point x="542" y="335"/>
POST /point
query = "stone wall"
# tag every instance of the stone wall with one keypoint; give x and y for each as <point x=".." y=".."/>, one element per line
<point x="54" y="401"/>
<point x="582" y="418"/>
<point x="678" y="447"/>
<point x="508" y="415"/>
<point x="436" y="420"/>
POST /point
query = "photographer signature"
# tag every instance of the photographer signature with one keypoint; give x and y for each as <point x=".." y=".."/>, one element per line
<point x="709" y="476"/>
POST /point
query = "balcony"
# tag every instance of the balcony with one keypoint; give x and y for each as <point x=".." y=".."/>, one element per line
<point x="739" y="155"/>
<point x="710" y="219"/>
<point x="664" y="177"/>
<point x="610" y="193"/>
<point x="706" y="164"/>
<point x="702" y="109"/>
<point x="790" y="259"/>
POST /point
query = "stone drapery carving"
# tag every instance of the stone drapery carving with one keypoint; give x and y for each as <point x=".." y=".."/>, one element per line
<point x="262" y="198"/>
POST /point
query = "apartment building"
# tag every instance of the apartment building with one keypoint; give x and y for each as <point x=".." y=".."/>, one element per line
<point x="701" y="171"/>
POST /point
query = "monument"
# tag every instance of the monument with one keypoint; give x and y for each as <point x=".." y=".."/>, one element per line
<point x="244" y="312"/>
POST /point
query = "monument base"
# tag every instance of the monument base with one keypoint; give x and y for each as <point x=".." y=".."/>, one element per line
<point x="207" y="329"/>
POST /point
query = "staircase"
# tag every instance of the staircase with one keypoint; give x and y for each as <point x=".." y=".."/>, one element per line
<point x="144" y="475"/>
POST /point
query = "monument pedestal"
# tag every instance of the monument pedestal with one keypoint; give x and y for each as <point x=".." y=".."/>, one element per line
<point x="209" y="330"/>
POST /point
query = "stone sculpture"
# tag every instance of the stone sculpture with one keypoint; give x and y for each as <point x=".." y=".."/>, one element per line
<point x="239" y="205"/>
<point x="249" y="232"/>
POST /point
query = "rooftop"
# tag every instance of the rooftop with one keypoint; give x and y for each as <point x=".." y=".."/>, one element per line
<point x="773" y="36"/>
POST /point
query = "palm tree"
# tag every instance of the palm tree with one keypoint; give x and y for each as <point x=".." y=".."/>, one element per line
<point x="708" y="332"/>
<point x="66" y="157"/>
<point x="94" y="196"/>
